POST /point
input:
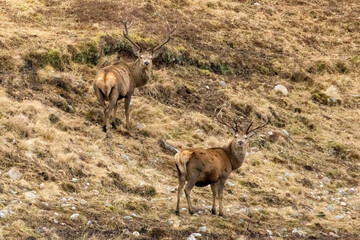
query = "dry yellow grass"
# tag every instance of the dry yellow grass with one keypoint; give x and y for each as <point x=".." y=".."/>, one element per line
<point x="49" y="118"/>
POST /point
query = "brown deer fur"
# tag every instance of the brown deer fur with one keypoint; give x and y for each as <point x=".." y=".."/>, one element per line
<point x="201" y="167"/>
<point x="119" y="80"/>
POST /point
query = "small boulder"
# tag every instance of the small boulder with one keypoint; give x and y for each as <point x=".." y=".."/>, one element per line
<point x="14" y="174"/>
<point x="30" y="196"/>
<point x="282" y="89"/>
<point x="74" y="216"/>
<point x="202" y="229"/>
<point x="222" y="84"/>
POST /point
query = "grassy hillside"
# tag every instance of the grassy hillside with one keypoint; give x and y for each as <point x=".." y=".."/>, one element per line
<point x="300" y="179"/>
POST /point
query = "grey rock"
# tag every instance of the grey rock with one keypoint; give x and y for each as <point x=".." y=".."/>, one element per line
<point x="202" y="229"/>
<point x="30" y="196"/>
<point x="70" y="109"/>
<point x="136" y="234"/>
<point x="125" y="157"/>
<point x="256" y="4"/>
<point x="4" y="213"/>
<point x="326" y="180"/>
<point x="74" y="216"/>
<point x="121" y="146"/>
<point x="247" y="211"/>
<point x="14" y="174"/>
<point x="339" y="217"/>
<point x="284" y="131"/>
<point x="126" y="232"/>
<point x="222" y="83"/>
<point x="333" y="235"/>
<point x="330" y="208"/>
<point x="140" y="126"/>
<point x="127" y="218"/>
<point x="280" y="88"/>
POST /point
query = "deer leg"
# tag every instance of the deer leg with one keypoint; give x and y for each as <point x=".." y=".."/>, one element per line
<point x="100" y="98"/>
<point x="112" y="104"/>
<point x="127" y="111"/>
<point x="220" y="191"/>
<point x="113" y="123"/>
<point x="189" y="186"/>
<point x="180" y="188"/>
<point x="214" y="190"/>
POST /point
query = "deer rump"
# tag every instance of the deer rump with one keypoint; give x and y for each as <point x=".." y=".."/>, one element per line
<point x="205" y="166"/>
<point x="113" y="78"/>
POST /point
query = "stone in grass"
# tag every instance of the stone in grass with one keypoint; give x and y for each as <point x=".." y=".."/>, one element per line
<point x="125" y="157"/>
<point x="14" y="174"/>
<point x="30" y="196"/>
<point x="202" y="229"/>
<point x="282" y="89"/>
<point x="330" y="208"/>
<point x="127" y="218"/>
<point x="222" y="84"/>
<point x="74" y="216"/>
<point x="339" y="217"/>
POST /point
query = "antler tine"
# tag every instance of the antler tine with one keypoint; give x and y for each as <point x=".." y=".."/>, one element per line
<point x="247" y="130"/>
<point x="167" y="39"/>
<point x="126" y="35"/>
<point x="258" y="127"/>
<point x="221" y="120"/>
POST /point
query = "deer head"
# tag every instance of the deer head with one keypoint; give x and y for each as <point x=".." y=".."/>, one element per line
<point x="241" y="135"/>
<point x="145" y="57"/>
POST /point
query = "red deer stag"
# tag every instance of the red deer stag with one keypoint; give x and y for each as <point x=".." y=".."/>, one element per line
<point x="201" y="167"/>
<point x="117" y="81"/>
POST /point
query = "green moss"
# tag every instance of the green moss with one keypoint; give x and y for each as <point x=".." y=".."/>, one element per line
<point x="114" y="44"/>
<point x="339" y="149"/>
<point x="85" y="53"/>
<point x="51" y="57"/>
<point x="68" y="187"/>
<point x="319" y="97"/>
<point x="183" y="57"/>
<point x="355" y="60"/>
<point x="138" y="206"/>
<point x="300" y="77"/>
<point x="145" y="191"/>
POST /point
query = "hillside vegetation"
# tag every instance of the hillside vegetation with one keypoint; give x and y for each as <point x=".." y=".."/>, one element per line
<point x="61" y="178"/>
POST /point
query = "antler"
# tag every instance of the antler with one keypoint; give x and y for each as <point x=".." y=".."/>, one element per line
<point x="126" y="35"/>
<point x="167" y="39"/>
<point x="248" y="131"/>
<point x="234" y="127"/>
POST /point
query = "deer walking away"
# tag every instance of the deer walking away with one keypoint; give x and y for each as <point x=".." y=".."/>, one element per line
<point x="119" y="80"/>
<point x="201" y="167"/>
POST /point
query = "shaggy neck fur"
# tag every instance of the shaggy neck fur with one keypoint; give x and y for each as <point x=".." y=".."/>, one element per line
<point x="140" y="74"/>
<point x="236" y="157"/>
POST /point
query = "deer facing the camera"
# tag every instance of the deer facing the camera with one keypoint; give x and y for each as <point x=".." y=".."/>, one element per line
<point x="112" y="83"/>
<point x="201" y="167"/>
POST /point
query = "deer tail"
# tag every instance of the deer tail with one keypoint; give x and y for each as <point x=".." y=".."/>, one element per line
<point x="181" y="160"/>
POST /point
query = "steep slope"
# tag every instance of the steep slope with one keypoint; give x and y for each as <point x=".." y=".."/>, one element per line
<point x="300" y="179"/>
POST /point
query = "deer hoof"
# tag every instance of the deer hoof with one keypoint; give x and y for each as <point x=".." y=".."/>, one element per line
<point x="222" y="215"/>
<point x="104" y="128"/>
<point x="213" y="211"/>
<point x="177" y="212"/>
<point x="191" y="212"/>
<point x="113" y="124"/>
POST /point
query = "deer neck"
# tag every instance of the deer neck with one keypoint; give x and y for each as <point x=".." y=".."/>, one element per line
<point x="140" y="75"/>
<point x="236" y="157"/>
